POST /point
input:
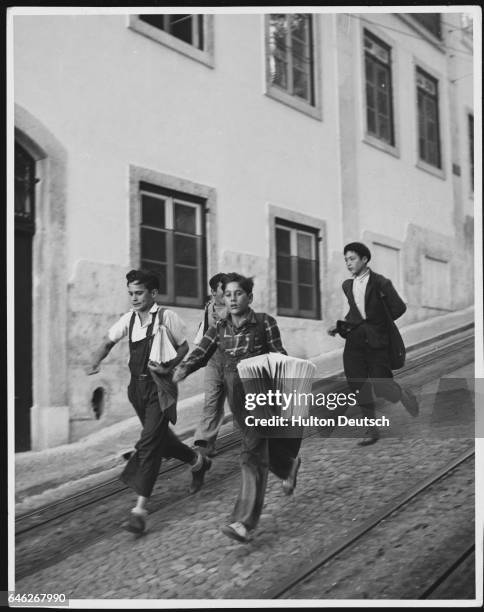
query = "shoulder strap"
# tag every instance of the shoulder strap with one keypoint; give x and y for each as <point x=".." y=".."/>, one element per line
<point x="130" y="331"/>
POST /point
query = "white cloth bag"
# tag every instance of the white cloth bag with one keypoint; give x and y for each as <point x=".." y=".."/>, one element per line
<point x="162" y="350"/>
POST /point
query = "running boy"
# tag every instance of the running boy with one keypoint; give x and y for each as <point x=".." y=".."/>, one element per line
<point x="213" y="409"/>
<point x="241" y="335"/>
<point x="366" y="358"/>
<point x="151" y="391"/>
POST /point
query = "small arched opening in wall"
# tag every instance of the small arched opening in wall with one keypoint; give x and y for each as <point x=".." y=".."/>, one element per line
<point x="98" y="400"/>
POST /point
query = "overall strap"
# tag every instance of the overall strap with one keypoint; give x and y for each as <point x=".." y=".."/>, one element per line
<point x="130" y="331"/>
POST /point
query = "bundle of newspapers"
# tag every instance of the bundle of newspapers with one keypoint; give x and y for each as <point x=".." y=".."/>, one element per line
<point x="278" y="384"/>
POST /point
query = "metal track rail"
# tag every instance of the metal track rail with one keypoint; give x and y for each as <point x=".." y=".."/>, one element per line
<point x="50" y="512"/>
<point x="448" y="572"/>
<point x="289" y="582"/>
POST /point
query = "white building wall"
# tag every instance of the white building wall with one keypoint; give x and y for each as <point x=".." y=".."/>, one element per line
<point x="115" y="99"/>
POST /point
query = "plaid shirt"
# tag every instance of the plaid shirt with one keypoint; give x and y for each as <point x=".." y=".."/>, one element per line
<point x="233" y="341"/>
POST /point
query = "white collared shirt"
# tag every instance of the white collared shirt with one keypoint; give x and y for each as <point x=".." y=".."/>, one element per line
<point x="359" y="290"/>
<point x="170" y="320"/>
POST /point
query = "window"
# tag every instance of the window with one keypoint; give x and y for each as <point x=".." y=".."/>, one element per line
<point x="188" y="28"/>
<point x="428" y="119"/>
<point x="430" y="21"/>
<point x="291" y="55"/>
<point x="172" y="241"/>
<point x="470" y="127"/>
<point x="292" y="64"/>
<point x="378" y="76"/>
<point x="191" y="35"/>
<point x="297" y="271"/>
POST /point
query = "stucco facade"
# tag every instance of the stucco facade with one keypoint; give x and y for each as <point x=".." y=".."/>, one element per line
<point x="107" y="106"/>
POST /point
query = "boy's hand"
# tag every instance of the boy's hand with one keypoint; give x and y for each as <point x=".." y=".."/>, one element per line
<point x="159" y="368"/>
<point x="93" y="369"/>
<point x="179" y="374"/>
<point x="333" y="330"/>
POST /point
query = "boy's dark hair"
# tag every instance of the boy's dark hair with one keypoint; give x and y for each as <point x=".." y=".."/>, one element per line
<point x="144" y="277"/>
<point x="359" y="248"/>
<point x="245" y="282"/>
<point x="215" y="280"/>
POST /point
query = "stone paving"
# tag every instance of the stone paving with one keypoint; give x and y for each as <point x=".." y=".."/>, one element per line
<point x="184" y="555"/>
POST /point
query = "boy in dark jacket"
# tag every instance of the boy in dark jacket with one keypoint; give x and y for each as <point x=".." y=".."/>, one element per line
<point x="366" y="358"/>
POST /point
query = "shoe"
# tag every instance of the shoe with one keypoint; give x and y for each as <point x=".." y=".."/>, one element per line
<point x="372" y="436"/>
<point x="237" y="531"/>
<point x="410" y="402"/>
<point x="136" y="523"/>
<point x="289" y="483"/>
<point x="199" y="475"/>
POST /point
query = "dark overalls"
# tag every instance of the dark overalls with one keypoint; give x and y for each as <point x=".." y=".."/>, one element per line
<point x="259" y="454"/>
<point x="157" y="439"/>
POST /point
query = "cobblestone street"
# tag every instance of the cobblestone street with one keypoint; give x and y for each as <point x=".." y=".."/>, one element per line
<point x="184" y="554"/>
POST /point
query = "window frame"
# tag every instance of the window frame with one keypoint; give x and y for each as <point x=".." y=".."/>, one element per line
<point x="370" y="137"/>
<point x="171" y="199"/>
<point x="188" y="192"/>
<point x="205" y="56"/>
<point x="314" y="233"/>
<point x="421" y="163"/>
<point x="281" y="95"/>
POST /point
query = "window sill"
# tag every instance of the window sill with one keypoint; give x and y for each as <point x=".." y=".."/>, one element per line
<point x="438" y="172"/>
<point x="381" y="145"/>
<point x="294" y="102"/>
<point x="145" y="29"/>
<point x="298" y="317"/>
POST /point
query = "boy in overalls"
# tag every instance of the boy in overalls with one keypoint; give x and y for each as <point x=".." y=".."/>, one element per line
<point x="241" y="335"/>
<point x="151" y="391"/>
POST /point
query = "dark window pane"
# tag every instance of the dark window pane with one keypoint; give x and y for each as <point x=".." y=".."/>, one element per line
<point x="370" y="96"/>
<point x="186" y="282"/>
<point x="153" y="245"/>
<point x="305" y="271"/>
<point x="24" y="185"/>
<point x="185" y="219"/>
<point x="306" y="298"/>
<point x="284" y="295"/>
<point x="370" y="74"/>
<point x="430" y="21"/>
<point x="155" y="20"/>
<point x="371" y="120"/>
<point x="152" y="211"/>
<point x="160" y="271"/>
<point x="283" y="241"/>
<point x="300" y="84"/>
<point x="186" y="249"/>
<point x="382" y="102"/>
<point x="181" y="27"/>
<point x="283" y="267"/>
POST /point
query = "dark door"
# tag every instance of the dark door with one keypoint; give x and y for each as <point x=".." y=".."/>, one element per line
<point x="24" y="231"/>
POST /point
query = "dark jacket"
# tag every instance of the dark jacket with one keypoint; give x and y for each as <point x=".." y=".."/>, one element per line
<point x="375" y="324"/>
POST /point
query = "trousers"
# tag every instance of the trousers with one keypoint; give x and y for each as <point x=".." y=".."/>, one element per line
<point x="368" y="372"/>
<point x="213" y="409"/>
<point x="258" y="455"/>
<point x="157" y="440"/>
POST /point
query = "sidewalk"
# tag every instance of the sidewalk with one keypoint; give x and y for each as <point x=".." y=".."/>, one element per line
<point x="49" y="475"/>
